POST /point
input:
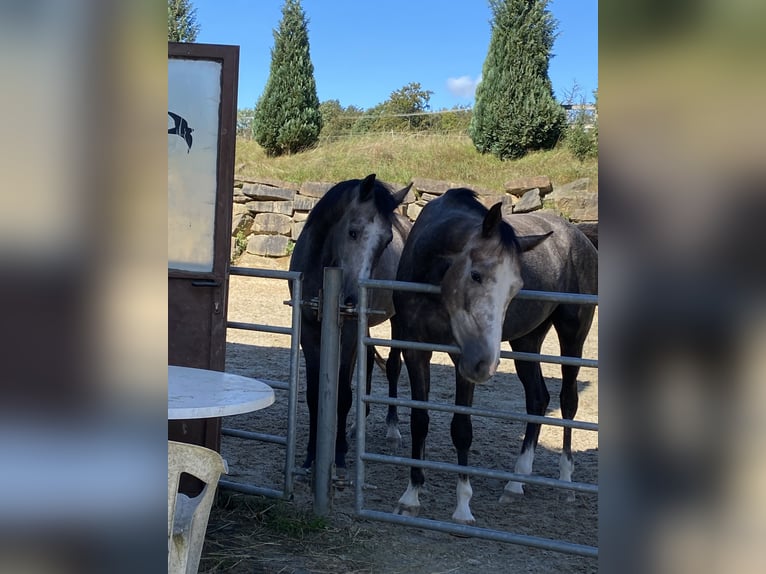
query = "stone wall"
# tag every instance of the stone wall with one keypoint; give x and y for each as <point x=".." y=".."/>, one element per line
<point x="268" y="215"/>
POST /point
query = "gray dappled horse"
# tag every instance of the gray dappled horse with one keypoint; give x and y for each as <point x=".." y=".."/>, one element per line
<point x="481" y="262"/>
<point x="354" y="226"/>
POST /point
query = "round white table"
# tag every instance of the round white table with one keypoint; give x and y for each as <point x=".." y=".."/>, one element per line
<point x="203" y="394"/>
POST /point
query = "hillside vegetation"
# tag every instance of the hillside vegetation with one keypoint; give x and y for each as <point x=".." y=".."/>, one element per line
<point x="399" y="158"/>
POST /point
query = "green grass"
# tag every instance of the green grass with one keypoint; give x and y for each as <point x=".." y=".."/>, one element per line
<point x="275" y="515"/>
<point x="399" y="158"/>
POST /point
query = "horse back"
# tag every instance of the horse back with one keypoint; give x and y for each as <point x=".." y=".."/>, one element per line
<point x="566" y="262"/>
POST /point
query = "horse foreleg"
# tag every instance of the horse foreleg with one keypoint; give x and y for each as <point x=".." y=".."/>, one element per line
<point x="418" y="368"/>
<point x="368" y="382"/>
<point x="393" y="372"/>
<point x="572" y="325"/>
<point x="569" y="402"/>
<point x="345" y="399"/>
<point x="368" y="386"/>
<point x="311" y="356"/>
<point x="461" y="430"/>
<point x="537" y="399"/>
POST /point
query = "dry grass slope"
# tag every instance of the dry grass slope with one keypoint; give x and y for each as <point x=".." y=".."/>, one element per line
<point x="398" y="158"/>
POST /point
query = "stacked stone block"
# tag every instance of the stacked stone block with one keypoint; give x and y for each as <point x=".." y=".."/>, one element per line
<point x="270" y="214"/>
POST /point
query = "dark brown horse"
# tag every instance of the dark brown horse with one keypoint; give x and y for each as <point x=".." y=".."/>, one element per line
<point x="354" y="226"/>
<point x="481" y="262"/>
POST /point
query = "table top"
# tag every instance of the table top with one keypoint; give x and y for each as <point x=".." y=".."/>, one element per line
<point x="202" y="394"/>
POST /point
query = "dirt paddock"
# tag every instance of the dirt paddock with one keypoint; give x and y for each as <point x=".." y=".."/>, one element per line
<point x="254" y="534"/>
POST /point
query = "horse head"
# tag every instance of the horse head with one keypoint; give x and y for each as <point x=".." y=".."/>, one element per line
<point x="477" y="288"/>
<point x="362" y="233"/>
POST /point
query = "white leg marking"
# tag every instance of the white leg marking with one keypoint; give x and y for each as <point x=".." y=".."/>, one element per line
<point x="462" y="512"/>
<point x="409" y="503"/>
<point x="566" y="467"/>
<point x="523" y="466"/>
<point x="393" y="436"/>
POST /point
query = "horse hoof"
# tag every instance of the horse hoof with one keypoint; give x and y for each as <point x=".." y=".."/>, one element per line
<point x="570" y="496"/>
<point x="404" y="510"/>
<point x="393" y="433"/>
<point x="511" y="490"/>
<point x="509" y="495"/>
<point x="394" y="443"/>
<point x="467" y="522"/>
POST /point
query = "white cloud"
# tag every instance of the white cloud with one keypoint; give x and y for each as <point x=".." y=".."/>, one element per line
<point x="463" y="87"/>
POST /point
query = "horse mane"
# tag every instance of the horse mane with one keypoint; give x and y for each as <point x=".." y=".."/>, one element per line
<point x="466" y="199"/>
<point x="332" y="205"/>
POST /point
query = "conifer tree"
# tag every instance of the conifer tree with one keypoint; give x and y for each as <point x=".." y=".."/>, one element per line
<point x="515" y="111"/>
<point x="287" y="117"/>
<point x="182" y="21"/>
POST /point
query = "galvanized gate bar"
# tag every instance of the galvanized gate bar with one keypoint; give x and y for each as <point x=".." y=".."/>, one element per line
<point x="363" y="398"/>
<point x="276" y="384"/>
<point x="449" y="408"/>
<point x="327" y="408"/>
<point x="579" y="298"/>
<point x="265" y="273"/>
<point x="557" y="297"/>
<point x="250" y="488"/>
<point x="259" y="436"/>
<point x="289" y="441"/>
<point x="555" y="359"/>
<point x="537" y="358"/>
<point x="484" y="533"/>
<point x="361" y="391"/>
<point x="478" y="471"/>
<point x="292" y="391"/>
<point x="258" y="327"/>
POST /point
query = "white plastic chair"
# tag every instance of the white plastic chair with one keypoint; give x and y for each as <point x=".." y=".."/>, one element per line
<point x="187" y="517"/>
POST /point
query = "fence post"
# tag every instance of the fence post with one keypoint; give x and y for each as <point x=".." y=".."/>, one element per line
<point x="329" y="365"/>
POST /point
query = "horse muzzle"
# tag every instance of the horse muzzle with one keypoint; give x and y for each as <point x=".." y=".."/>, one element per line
<point x="477" y="367"/>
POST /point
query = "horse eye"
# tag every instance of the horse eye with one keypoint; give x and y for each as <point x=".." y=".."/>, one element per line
<point x="476" y="276"/>
<point x="352" y="233"/>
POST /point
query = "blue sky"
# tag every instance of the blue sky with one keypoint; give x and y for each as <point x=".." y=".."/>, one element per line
<point x="363" y="50"/>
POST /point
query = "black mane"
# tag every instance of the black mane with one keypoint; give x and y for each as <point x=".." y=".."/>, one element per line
<point x="332" y="205"/>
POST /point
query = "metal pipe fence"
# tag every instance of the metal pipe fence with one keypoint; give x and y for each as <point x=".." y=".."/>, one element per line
<point x="362" y="398"/>
<point x="291" y="386"/>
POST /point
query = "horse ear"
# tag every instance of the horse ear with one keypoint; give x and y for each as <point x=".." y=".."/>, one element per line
<point x="492" y="220"/>
<point x="531" y="241"/>
<point x="366" y="187"/>
<point x="401" y="194"/>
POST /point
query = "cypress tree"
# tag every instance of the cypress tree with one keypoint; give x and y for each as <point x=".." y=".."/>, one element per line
<point x="182" y="21"/>
<point x="287" y="117"/>
<point x="515" y="111"/>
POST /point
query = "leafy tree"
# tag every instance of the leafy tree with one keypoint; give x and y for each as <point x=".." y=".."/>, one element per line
<point x="515" y="111"/>
<point x="337" y="120"/>
<point x="182" y="21"/>
<point x="245" y="122"/>
<point x="582" y="134"/>
<point x="455" y="120"/>
<point x="287" y="117"/>
<point x="388" y="116"/>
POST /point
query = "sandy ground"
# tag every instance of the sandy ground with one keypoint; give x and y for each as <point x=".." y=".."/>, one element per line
<point x="369" y="546"/>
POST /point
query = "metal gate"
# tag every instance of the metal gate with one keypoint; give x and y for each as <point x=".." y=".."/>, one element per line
<point x="362" y="399"/>
<point x="291" y="386"/>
